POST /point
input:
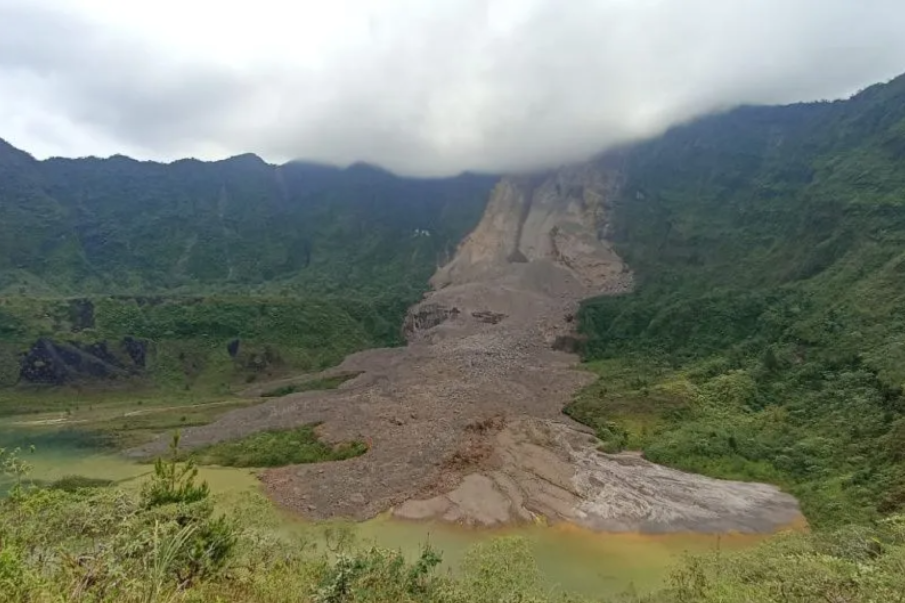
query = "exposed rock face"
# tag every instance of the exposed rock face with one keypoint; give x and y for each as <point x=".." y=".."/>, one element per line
<point x="490" y="318"/>
<point x="464" y="424"/>
<point x="137" y="350"/>
<point x="56" y="363"/>
<point x="562" y="220"/>
<point x="424" y="317"/>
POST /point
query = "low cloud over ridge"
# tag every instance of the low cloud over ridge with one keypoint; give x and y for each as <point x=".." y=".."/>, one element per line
<point x="419" y="86"/>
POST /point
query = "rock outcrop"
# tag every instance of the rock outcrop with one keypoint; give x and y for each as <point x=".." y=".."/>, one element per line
<point x="425" y="317"/>
<point x="58" y="363"/>
<point x="562" y="220"/>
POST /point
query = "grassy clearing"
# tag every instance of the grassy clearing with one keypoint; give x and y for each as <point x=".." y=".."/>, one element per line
<point x="639" y="395"/>
<point x="198" y="352"/>
<point x="276" y="449"/>
<point x="119" y="419"/>
<point x="120" y="432"/>
<point x="111" y="419"/>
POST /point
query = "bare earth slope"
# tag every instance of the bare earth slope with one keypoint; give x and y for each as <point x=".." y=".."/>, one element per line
<point x="465" y="423"/>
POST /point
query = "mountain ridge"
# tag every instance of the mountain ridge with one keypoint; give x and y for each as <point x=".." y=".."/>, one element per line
<point x="83" y="226"/>
<point x="7" y="146"/>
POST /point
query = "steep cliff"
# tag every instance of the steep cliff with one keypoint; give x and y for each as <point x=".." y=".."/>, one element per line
<point x="560" y="220"/>
<point x="541" y="246"/>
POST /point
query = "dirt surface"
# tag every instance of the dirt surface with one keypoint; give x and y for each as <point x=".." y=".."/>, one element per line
<point x="464" y="424"/>
<point x="546" y="470"/>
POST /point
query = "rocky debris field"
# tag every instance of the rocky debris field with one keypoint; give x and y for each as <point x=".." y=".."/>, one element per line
<point x="464" y="424"/>
<point x="542" y="469"/>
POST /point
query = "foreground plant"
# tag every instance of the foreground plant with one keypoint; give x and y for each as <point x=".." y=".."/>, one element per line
<point x="164" y="544"/>
<point x="109" y="544"/>
<point x="13" y="467"/>
<point x="174" y="481"/>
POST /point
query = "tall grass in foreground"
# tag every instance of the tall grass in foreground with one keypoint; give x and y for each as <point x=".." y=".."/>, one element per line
<point x="165" y="544"/>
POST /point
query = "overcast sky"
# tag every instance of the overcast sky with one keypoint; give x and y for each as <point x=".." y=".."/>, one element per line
<point x="418" y="86"/>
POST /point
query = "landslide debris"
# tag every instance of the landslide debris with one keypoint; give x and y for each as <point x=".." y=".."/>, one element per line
<point x="464" y="424"/>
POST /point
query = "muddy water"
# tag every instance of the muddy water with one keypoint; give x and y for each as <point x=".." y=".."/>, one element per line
<point x="60" y="454"/>
<point x="568" y="558"/>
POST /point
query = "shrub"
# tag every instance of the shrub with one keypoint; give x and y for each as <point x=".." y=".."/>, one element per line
<point x="277" y="448"/>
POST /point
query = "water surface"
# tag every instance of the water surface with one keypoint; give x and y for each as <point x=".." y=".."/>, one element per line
<point x="568" y="558"/>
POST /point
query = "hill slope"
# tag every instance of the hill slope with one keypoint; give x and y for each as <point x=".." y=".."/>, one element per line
<point x="767" y="338"/>
<point x="331" y="258"/>
<point x="76" y="226"/>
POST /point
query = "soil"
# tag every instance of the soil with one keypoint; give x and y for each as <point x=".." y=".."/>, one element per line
<point x="551" y="471"/>
<point x="464" y="424"/>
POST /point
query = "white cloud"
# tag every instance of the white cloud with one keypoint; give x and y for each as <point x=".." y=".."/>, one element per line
<point x="419" y="86"/>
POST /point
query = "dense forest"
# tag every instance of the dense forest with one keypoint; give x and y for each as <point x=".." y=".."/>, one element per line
<point x="767" y="338"/>
<point x="99" y="226"/>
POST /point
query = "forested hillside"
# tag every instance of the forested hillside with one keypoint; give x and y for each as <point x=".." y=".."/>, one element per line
<point x="77" y="226"/>
<point x="297" y="265"/>
<point x="767" y="338"/>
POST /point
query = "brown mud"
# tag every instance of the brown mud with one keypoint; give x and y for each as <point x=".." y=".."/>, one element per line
<point x="464" y="424"/>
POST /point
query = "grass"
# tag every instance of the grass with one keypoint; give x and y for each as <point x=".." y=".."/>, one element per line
<point x="119" y="419"/>
<point x="112" y="418"/>
<point x="120" y="432"/>
<point x="277" y="448"/>
<point x="72" y="483"/>
<point x="205" y="344"/>
<point x="641" y="395"/>
<point x="167" y="542"/>
<point x="200" y="350"/>
<point x="766" y="342"/>
<point x="324" y="383"/>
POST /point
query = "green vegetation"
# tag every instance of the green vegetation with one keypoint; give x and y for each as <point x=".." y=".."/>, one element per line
<point x="108" y="545"/>
<point x="851" y="564"/>
<point x="310" y="385"/>
<point x="166" y="542"/>
<point x="72" y="483"/>
<point x="767" y="339"/>
<point x="101" y="226"/>
<point x="276" y="448"/>
<point x="202" y="343"/>
<point x="173" y="285"/>
<point x="173" y="481"/>
<point x="196" y="352"/>
<point x="104" y="419"/>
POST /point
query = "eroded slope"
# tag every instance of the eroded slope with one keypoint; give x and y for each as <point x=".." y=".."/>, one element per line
<point x="465" y="424"/>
